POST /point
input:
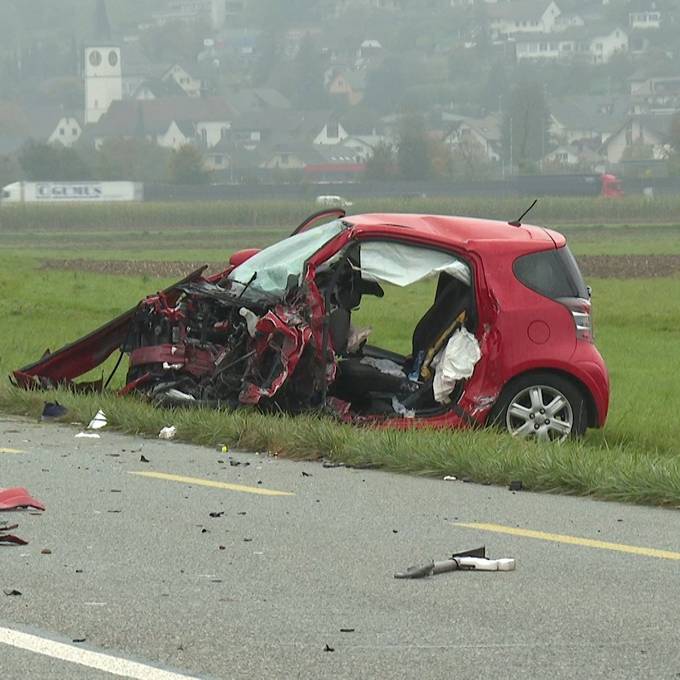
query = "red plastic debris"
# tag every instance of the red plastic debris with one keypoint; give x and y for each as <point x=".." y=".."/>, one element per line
<point x="18" y="497"/>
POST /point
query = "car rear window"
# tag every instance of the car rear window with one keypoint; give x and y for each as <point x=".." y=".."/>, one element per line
<point x="553" y="273"/>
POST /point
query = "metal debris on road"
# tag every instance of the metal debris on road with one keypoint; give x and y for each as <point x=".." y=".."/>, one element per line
<point x="470" y="560"/>
<point x="87" y="435"/>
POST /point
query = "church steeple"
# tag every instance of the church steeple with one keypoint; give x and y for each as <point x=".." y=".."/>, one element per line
<point x="102" y="26"/>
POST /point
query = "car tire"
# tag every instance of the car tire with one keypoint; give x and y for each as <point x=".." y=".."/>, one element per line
<point x="542" y="406"/>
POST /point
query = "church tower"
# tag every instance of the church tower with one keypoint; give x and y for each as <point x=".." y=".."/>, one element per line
<point x="103" y="80"/>
<point x="102" y="68"/>
<point x="218" y="14"/>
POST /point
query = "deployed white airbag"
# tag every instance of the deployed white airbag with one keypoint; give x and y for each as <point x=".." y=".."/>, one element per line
<point x="454" y="362"/>
<point x="403" y="265"/>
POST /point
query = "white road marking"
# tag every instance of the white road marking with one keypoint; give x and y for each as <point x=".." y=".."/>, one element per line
<point x="84" y="657"/>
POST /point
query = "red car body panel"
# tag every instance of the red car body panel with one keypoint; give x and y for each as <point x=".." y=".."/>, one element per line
<point x="519" y="331"/>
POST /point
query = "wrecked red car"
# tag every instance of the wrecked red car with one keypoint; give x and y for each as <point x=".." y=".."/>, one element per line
<point x="507" y="338"/>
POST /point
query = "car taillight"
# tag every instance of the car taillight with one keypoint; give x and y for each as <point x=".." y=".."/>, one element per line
<point x="583" y="321"/>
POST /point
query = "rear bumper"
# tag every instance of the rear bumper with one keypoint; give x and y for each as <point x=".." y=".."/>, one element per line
<point x="589" y="367"/>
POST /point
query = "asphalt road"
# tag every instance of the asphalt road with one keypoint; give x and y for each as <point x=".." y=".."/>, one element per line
<point x="140" y="571"/>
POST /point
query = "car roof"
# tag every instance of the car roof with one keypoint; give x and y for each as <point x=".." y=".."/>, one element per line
<point x="453" y="231"/>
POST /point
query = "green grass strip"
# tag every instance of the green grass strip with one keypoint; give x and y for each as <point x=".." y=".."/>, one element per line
<point x="619" y="473"/>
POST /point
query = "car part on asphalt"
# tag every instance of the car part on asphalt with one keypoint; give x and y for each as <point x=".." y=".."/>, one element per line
<point x="507" y="339"/>
<point x="10" y="539"/>
<point x="470" y="560"/>
<point x="18" y="497"/>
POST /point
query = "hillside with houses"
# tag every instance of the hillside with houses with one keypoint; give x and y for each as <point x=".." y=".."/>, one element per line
<point x="264" y="91"/>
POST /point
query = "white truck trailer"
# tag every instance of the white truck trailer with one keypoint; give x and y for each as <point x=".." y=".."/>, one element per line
<point x="71" y="192"/>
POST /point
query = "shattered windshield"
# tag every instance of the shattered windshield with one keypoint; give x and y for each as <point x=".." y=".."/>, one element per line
<point x="272" y="266"/>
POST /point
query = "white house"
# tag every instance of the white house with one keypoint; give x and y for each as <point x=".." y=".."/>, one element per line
<point x="191" y="85"/>
<point x="655" y="95"/>
<point x="67" y="131"/>
<point x="642" y="131"/>
<point x="211" y="132"/>
<point x="607" y="43"/>
<point x="596" y="46"/>
<point x="648" y="19"/>
<point x="331" y="133"/>
<point x="524" y="16"/>
<point x="576" y="118"/>
<point x="481" y="136"/>
<point x="169" y="121"/>
<point x="176" y="136"/>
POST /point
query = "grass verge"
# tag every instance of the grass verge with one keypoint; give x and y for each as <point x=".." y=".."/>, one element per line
<point x="618" y="473"/>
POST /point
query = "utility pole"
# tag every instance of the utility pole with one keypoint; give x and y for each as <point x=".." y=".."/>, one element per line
<point x="500" y="119"/>
<point x="510" y="146"/>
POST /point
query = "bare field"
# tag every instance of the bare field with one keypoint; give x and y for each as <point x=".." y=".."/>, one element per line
<point x="596" y="266"/>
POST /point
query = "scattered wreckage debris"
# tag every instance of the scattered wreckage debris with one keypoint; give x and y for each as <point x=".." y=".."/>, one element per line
<point x="18" y="497"/>
<point x="99" y="421"/>
<point x="167" y="432"/>
<point x="273" y="330"/>
<point x="469" y="560"/>
<point x="53" y="411"/>
<point x="15" y="498"/>
<point x="10" y="539"/>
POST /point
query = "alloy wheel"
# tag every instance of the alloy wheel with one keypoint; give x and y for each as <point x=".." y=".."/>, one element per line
<point x="541" y="412"/>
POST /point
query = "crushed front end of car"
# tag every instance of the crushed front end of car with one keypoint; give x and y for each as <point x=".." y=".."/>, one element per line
<point x="217" y="340"/>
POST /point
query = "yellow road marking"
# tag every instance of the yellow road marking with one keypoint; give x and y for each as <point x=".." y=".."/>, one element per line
<point x="572" y="540"/>
<point x="11" y="451"/>
<point x="216" y="485"/>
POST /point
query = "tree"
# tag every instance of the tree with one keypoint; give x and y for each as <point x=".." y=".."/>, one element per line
<point x="186" y="166"/>
<point x="385" y="85"/>
<point x="308" y="90"/>
<point x="495" y="90"/>
<point x="136" y="160"/>
<point x="9" y="171"/>
<point x="268" y="52"/>
<point x="381" y="164"/>
<point x="413" y="153"/>
<point x="525" y="126"/>
<point x="45" y="162"/>
<point x="675" y="132"/>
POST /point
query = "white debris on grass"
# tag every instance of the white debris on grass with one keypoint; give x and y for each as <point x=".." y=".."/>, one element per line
<point x="98" y="421"/>
<point x="168" y="432"/>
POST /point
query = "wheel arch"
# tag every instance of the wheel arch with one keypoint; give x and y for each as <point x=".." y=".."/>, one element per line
<point x="591" y="408"/>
